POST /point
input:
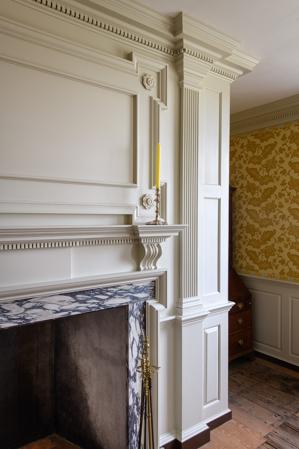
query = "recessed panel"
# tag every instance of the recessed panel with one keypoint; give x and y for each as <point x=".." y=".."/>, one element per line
<point x="212" y="158"/>
<point x="211" y="245"/>
<point x="211" y="364"/>
<point x="267" y="318"/>
<point x="59" y="128"/>
<point x="295" y="326"/>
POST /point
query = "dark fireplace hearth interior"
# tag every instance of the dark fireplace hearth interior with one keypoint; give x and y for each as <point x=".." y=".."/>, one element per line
<point x="68" y="377"/>
<point x="68" y="366"/>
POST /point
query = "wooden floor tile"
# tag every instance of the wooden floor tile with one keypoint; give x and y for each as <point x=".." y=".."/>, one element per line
<point x="264" y="399"/>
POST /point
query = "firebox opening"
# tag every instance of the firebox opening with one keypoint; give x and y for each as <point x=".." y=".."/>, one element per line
<point x="68" y="377"/>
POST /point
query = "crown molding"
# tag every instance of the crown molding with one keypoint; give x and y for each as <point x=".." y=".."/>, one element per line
<point x="133" y="13"/>
<point x="271" y="114"/>
<point x="172" y="38"/>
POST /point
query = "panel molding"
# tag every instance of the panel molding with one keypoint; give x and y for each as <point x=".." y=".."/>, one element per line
<point x="211" y="352"/>
<point x="278" y="297"/>
<point x="292" y="317"/>
<point x="31" y="35"/>
<point x="60" y="72"/>
<point x="39" y="207"/>
<point x="286" y="291"/>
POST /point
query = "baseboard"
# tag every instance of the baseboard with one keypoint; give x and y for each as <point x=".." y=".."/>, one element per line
<point x="277" y="361"/>
<point x="202" y="437"/>
<point x="227" y="416"/>
<point x="193" y="443"/>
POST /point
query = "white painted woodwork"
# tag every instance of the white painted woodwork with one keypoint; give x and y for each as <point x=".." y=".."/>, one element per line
<point x="211" y="230"/>
<point x="188" y="191"/>
<point x="86" y="97"/>
<point x="215" y="361"/>
<point x="212" y="140"/>
<point x="294" y="328"/>
<point x="211" y="380"/>
<point x="71" y="148"/>
<point x="275" y="317"/>
<point x="268" y="305"/>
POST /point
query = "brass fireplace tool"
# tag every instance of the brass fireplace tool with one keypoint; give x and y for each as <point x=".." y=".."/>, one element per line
<point x="146" y="431"/>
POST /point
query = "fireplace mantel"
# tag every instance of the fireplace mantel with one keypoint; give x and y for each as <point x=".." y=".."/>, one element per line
<point x="22" y="238"/>
<point x="148" y="237"/>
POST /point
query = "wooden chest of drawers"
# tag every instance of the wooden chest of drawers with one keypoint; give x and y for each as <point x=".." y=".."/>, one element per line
<point x="240" y="318"/>
<point x="240" y="315"/>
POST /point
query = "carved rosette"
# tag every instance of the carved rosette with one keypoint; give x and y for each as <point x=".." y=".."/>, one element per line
<point x="147" y="201"/>
<point x="148" y="81"/>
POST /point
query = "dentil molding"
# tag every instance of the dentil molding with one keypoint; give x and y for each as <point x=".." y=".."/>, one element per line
<point x="148" y="237"/>
<point x="271" y="114"/>
<point x="176" y="38"/>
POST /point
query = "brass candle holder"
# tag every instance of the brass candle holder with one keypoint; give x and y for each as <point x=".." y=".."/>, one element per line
<point x="158" y="219"/>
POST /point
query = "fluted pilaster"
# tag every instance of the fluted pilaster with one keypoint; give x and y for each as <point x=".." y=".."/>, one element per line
<point x="189" y="190"/>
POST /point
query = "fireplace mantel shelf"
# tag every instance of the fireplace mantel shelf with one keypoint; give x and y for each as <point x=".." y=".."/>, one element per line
<point x="148" y="237"/>
<point x="21" y="238"/>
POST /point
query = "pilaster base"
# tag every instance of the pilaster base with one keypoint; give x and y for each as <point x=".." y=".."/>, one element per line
<point x="202" y="437"/>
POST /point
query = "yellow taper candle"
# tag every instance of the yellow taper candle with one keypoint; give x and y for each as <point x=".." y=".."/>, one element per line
<point x="158" y="162"/>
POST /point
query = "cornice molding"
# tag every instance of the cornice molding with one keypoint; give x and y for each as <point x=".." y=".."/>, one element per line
<point x="144" y="28"/>
<point x="271" y="114"/>
<point x="90" y="17"/>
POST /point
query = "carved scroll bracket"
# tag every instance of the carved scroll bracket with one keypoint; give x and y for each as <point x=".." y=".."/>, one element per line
<point x="150" y="239"/>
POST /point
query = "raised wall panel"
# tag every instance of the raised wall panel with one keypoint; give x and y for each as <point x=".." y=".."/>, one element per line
<point x="267" y="318"/>
<point x="212" y="141"/>
<point x="57" y="128"/>
<point x="294" y="329"/>
<point x="275" y="317"/>
<point x="211" y="245"/>
<point x="211" y="363"/>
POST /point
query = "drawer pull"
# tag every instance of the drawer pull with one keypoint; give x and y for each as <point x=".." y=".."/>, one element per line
<point x="240" y="321"/>
<point x="240" y="305"/>
<point x="241" y="342"/>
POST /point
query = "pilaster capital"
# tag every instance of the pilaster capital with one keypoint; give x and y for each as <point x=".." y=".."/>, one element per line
<point x="191" y="70"/>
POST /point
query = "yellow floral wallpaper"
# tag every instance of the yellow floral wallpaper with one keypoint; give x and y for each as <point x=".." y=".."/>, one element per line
<point x="265" y="171"/>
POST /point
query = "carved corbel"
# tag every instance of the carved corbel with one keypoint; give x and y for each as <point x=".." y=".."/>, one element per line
<point x="149" y="239"/>
<point x="151" y="252"/>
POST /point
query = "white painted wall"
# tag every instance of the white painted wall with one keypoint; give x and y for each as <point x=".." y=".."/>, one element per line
<point x="78" y="137"/>
<point x="275" y="317"/>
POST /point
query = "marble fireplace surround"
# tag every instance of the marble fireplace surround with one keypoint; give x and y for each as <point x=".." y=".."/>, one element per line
<point x="45" y="309"/>
<point x="22" y="303"/>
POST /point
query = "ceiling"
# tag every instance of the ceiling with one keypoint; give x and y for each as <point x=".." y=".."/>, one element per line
<point x="266" y="29"/>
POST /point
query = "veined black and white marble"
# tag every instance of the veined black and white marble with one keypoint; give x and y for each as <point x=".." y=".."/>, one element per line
<point x="28" y="311"/>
